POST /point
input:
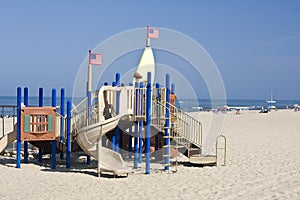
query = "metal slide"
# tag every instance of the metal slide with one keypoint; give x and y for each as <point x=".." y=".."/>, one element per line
<point x="7" y="139"/>
<point x="89" y="130"/>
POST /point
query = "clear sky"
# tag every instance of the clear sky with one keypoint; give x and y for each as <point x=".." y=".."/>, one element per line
<point x="255" y="44"/>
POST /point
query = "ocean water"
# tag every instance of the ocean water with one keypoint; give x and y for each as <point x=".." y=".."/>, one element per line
<point x="188" y="105"/>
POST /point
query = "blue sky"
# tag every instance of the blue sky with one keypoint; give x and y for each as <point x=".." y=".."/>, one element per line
<point x="255" y="44"/>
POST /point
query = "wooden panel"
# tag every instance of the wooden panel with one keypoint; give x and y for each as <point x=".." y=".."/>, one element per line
<point x="50" y="123"/>
<point x="26" y="123"/>
<point x="38" y="123"/>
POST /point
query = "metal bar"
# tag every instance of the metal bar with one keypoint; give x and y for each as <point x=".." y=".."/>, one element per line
<point x="148" y="121"/>
<point x="157" y="115"/>
<point x="19" y="96"/>
<point x="25" y="142"/>
<point x="53" y="163"/>
<point x="68" y="153"/>
<point x="41" y="102"/>
<point x="113" y="139"/>
<point x="224" y="149"/>
<point x="117" y="130"/>
<point x="167" y="123"/>
<point x="141" y="106"/>
<point x="136" y="133"/>
<point x="62" y="121"/>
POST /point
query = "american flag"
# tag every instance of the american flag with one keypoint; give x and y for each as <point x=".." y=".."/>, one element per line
<point x="95" y="59"/>
<point x="152" y="33"/>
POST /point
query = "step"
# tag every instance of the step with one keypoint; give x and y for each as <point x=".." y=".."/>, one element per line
<point x="173" y="146"/>
<point x="184" y="143"/>
<point x="175" y="137"/>
<point x="194" y="152"/>
<point x="203" y="159"/>
<point x="140" y="118"/>
<point x="167" y="156"/>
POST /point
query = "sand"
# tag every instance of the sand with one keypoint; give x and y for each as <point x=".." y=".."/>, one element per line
<point x="263" y="163"/>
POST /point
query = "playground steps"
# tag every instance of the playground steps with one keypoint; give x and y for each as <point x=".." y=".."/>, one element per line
<point x="207" y="160"/>
<point x="185" y="147"/>
<point x="185" y="131"/>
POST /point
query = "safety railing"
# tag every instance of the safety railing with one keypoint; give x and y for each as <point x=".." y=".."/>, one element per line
<point x="106" y="103"/>
<point x="8" y="118"/>
<point x="79" y="114"/>
<point x="223" y="147"/>
<point x="186" y="128"/>
<point x="140" y="104"/>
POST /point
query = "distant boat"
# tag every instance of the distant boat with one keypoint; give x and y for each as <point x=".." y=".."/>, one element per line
<point x="271" y="100"/>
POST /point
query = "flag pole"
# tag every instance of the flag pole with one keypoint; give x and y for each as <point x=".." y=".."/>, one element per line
<point x="148" y="39"/>
<point x="89" y="90"/>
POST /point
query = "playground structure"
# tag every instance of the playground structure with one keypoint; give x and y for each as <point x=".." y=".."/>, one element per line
<point x="42" y="126"/>
<point x="142" y="112"/>
<point x="138" y="122"/>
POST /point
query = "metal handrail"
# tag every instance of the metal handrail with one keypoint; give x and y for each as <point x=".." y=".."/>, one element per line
<point x="79" y="113"/>
<point x="191" y="129"/>
<point x="221" y="148"/>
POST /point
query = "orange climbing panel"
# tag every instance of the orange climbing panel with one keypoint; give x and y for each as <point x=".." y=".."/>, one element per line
<point x="172" y="102"/>
<point x="38" y="123"/>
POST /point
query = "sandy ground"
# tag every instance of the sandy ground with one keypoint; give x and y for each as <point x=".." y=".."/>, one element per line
<point x="263" y="163"/>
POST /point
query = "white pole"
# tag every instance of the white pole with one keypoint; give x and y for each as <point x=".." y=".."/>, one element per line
<point x="148" y="39"/>
<point x="89" y="78"/>
<point x="89" y="92"/>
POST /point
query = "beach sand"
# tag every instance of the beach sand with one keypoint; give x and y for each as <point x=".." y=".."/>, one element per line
<point x="263" y="162"/>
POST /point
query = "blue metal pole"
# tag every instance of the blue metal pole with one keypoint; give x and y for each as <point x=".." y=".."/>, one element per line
<point x="41" y="96"/>
<point x="141" y="123"/>
<point x="62" y="121"/>
<point x="157" y="116"/>
<point x="117" y="130"/>
<point x="173" y="88"/>
<point x="167" y="122"/>
<point x="41" y="104"/>
<point x="130" y="142"/>
<point x="118" y="77"/>
<point x="19" y="96"/>
<point x="148" y="121"/>
<point x="113" y="139"/>
<point x="172" y="114"/>
<point x="136" y="133"/>
<point x="68" y="153"/>
<point x="53" y="164"/>
<point x="26" y="142"/>
<point x="88" y="159"/>
<point x="26" y="103"/>
<point x="130" y="136"/>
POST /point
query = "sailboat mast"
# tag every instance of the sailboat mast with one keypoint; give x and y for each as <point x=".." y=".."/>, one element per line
<point x="271" y="95"/>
